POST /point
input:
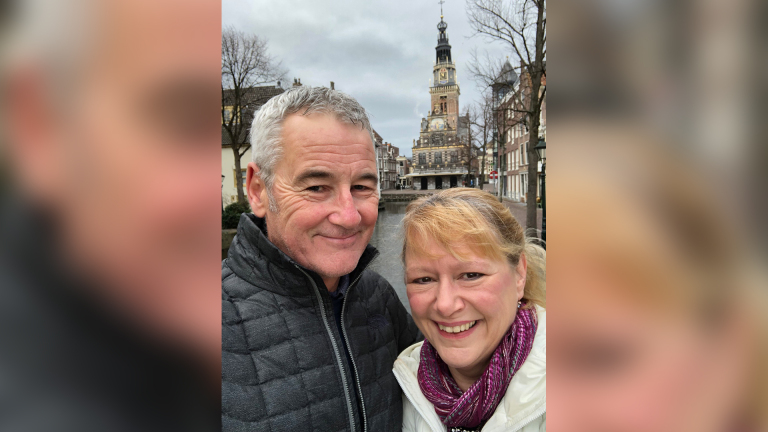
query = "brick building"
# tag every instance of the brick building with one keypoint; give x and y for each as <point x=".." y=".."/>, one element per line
<point x="440" y="154"/>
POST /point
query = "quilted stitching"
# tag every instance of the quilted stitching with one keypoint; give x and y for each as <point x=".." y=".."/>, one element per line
<point x="279" y="372"/>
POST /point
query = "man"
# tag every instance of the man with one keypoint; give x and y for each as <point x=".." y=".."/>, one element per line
<point x="310" y="335"/>
<point x="109" y="222"/>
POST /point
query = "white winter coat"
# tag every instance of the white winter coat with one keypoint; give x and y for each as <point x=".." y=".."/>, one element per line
<point x="523" y="407"/>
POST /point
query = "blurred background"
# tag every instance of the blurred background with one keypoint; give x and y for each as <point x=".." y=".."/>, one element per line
<point x="110" y="215"/>
<point x="657" y="243"/>
<point x="110" y="201"/>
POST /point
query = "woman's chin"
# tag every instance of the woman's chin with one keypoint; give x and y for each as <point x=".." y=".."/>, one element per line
<point x="458" y="358"/>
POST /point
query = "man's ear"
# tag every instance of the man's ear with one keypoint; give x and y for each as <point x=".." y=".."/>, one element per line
<point x="522" y="271"/>
<point x="256" y="190"/>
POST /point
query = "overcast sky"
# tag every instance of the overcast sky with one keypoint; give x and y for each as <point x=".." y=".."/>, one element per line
<point x="380" y="52"/>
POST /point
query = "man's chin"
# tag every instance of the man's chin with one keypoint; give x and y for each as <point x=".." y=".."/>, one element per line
<point x="336" y="264"/>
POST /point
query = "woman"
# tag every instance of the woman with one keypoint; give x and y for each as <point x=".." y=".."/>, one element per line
<point x="477" y="291"/>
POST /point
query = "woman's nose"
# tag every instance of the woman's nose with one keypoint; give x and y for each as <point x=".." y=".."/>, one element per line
<point x="448" y="301"/>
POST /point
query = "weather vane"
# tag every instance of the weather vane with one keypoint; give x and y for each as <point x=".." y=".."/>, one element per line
<point x="441" y="7"/>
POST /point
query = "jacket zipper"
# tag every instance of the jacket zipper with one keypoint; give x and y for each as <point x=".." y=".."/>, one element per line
<point x="351" y="357"/>
<point x="335" y="349"/>
<point x="528" y="420"/>
<point x="417" y="407"/>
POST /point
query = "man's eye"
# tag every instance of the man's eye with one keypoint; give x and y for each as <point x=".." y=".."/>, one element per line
<point x="315" y="188"/>
<point x="473" y="276"/>
<point x="361" y="188"/>
<point x="422" y="280"/>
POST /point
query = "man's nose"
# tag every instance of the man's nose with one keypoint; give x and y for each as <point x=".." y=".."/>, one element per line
<point x="448" y="301"/>
<point x="346" y="214"/>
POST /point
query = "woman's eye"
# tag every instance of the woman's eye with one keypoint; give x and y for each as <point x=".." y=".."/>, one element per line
<point x="472" y="276"/>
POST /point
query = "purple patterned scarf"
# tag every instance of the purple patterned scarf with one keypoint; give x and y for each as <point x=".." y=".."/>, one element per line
<point x="475" y="406"/>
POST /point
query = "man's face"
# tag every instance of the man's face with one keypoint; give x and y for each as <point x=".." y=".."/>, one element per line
<point x="325" y="190"/>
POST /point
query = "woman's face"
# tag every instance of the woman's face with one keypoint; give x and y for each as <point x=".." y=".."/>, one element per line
<point x="463" y="307"/>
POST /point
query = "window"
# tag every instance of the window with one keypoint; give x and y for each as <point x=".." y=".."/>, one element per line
<point x="242" y="176"/>
<point x="439" y="157"/>
<point x="422" y="158"/>
<point x="454" y="157"/>
<point x="227" y="115"/>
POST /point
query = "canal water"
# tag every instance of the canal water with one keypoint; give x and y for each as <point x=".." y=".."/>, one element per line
<point x="388" y="239"/>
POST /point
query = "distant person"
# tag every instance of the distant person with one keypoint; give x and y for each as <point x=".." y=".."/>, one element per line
<point x="476" y="287"/>
<point x="309" y="334"/>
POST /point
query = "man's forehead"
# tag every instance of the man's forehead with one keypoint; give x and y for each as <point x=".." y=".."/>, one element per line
<point x="315" y="134"/>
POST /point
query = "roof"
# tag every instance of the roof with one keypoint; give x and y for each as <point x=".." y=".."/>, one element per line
<point x="252" y="95"/>
<point x="252" y="98"/>
<point x="507" y="75"/>
<point x="379" y="139"/>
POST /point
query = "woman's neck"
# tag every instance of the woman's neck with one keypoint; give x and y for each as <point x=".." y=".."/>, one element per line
<point x="465" y="377"/>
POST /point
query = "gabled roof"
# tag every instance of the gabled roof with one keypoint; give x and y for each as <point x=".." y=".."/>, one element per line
<point x="379" y="139"/>
<point x="507" y="75"/>
<point x="252" y="95"/>
<point x="252" y="99"/>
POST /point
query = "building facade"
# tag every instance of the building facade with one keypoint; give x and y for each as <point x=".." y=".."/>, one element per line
<point x="441" y="157"/>
<point x="511" y="147"/>
<point x="386" y="162"/>
<point x="403" y="169"/>
<point x="254" y="97"/>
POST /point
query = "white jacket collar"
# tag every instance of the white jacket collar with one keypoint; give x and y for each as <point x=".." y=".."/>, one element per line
<point x="524" y="400"/>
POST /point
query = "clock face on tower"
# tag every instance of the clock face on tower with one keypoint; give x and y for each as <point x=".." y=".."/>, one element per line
<point x="443" y="78"/>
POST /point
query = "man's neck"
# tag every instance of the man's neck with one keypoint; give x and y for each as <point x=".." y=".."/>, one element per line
<point x="331" y="283"/>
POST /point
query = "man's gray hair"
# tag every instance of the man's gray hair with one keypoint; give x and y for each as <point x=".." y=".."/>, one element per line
<point x="266" y="130"/>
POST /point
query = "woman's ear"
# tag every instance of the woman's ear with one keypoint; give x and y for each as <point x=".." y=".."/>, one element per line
<point x="522" y="272"/>
<point x="256" y="190"/>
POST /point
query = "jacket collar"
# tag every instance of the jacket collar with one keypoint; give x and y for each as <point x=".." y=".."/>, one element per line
<point x="524" y="400"/>
<point x="253" y="257"/>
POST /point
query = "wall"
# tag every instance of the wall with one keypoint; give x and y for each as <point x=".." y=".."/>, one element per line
<point x="229" y="189"/>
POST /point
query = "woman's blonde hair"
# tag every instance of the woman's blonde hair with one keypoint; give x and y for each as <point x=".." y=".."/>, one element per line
<point x="467" y="219"/>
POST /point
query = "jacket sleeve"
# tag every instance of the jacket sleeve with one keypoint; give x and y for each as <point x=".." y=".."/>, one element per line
<point x="406" y="331"/>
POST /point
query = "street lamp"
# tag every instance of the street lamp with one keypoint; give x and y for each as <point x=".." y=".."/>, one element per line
<point x="541" y="151"/>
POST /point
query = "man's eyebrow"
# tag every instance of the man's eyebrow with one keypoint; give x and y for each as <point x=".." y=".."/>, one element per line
<point x="368" y="176"/>
<point x="313" y="174"/>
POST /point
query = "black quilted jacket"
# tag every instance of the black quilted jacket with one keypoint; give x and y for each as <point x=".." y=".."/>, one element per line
<point x="283" y="362"/>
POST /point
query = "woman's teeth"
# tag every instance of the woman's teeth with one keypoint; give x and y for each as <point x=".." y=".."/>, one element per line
<point x="457" y="329"/>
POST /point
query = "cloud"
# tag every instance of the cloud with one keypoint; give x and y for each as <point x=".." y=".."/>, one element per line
<point x="379" y="52"/>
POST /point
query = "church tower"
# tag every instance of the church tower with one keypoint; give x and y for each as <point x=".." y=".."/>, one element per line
<point x="445" y="88"/>
<point x="440" y="158"/>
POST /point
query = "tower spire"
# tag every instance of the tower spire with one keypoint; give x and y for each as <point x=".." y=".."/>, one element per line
<point x="443" y="47"/>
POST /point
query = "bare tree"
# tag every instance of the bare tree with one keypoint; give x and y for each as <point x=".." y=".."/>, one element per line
<point x="481" y="123"/>
<point x="470" y="145"/>
<point x="245" y="64"/>
<point x="521" y="26"/>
